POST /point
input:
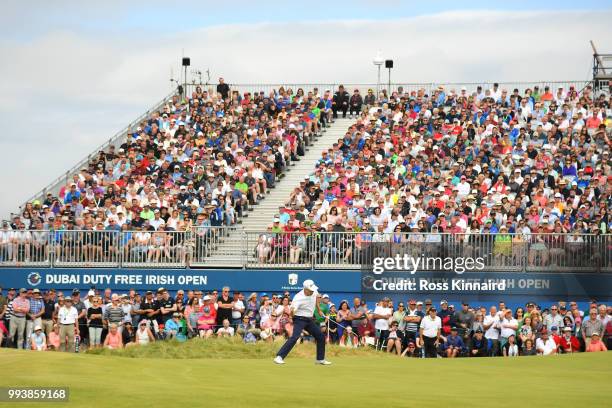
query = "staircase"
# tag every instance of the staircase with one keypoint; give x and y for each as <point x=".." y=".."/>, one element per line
<point x="232" y="249"/>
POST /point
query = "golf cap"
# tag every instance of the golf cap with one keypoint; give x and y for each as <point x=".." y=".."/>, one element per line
<point x="442" y="302"/>
<point x="91" y="293"/>
<point x="310" y="285"/>
<point x="36" y="291"/>
<point x="206" y="297"/>
<point x="325" y="296"/>
<point x="567" y="328"/>
<point x="595" y="334"/>
<point x="176" y="314"/>
<point x="37" y="328"/>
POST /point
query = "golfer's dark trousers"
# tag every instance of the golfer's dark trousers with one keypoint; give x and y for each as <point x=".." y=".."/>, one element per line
<point x="304" y="323"/>
<point x="430" y="347"/>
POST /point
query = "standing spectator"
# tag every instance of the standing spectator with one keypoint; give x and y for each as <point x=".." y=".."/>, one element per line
<point x="553" y="318"/>
<point x="465" y="320"/>
<point x="508" y="326"/>
<point x="590" y="326"/>
<point x="95" y="323"/>
<point x="67" y="318"/>
<point x="223" y="88"/>
<point x="237" y="309"/>
<point x="430" y="329"/>
<point x="491" y="327"/>
<point x="17" y="326"/>
<point x="78" y="304"/>
<point x="358" y="313"/>
<point x="33" y="318"/>
<point x="225" y="305"/>
<point x="413" y="319"/>
<point x="113" y="314"/>
<point x="47" y="316"/>
<point x="167" y="306"/>
<point x="381" y="316"/>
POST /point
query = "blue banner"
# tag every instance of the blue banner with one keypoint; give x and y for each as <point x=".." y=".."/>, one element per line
<point x="470" y="285"/>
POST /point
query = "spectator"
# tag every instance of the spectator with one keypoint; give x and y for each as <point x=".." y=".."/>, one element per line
<point x="567" y="342"/>
<point x="510" y="348"/>
<point x="38" y="340"/>
<point x="367" y="333"/>
<point x="453" y="345"/>
<point x="54" y="339"/>
<point x="509" y="326"/>
<point x="381" y="316"/>
<point x="144" y="335"/>
<point x="207" y="318"/>
<point x="95" y="323"/>
<point x="114" y="313"/>
<point x="491" y="325"/>
<point x="395" y="339"/>
<point x="348" y="338"/>
<point x="225" y="330"/>
<point x="430" y="330"/>
<point x="172" y="326"/>
<point x="113" y="339"/>
<point x="34" y="316"/>
<point x="545" y="345"/>
<point x="596" y="344"/>
<point x="590" y="326"/>
<point x="529" y="348"/>
<point x="20" y="308"/>
<point x="479" y="345"/>
<point x="67" y="317"/>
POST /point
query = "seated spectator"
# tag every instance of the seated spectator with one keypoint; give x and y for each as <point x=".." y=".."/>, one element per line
<point x="143" y="335"/>
<point x="567" y="342"/>
<point x="545" y="345"/>
<point x="453" y="345"/>
<point x="528" y="348"/>
<point x="596" y="344"/>
<point x="207" y="318"/>
<point x="113" y="338"/>
<point x="479" y="345"/>
<point x="38" y="339"/>
<point x="510" y="348"/>
<point x="172" y="326"/>
<point x="366" y="332"/>
<point x="412" y="351"/>
<point x="395" y="339"/>
<point x="348" y="338"/>
<point x="127" y="334"/>
<point x="53" y="342"/>
<point x="226" y="330"/>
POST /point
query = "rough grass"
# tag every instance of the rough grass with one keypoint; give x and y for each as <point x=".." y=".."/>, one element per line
<point x="225" y="348"/>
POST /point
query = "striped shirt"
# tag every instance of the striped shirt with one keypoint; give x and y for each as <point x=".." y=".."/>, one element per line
<point x="411" y="326"/>
<point x="114" y="314"/>
<point x="20" y="303"/>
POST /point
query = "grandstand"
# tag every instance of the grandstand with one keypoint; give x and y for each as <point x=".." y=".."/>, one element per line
<point x="266" y="176"/>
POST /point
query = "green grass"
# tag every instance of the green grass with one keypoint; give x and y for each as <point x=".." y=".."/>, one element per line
<point x="209" y="374"/>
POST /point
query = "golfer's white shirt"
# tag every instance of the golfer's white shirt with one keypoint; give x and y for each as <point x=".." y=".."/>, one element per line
<point x="431" y="326"/>
<point x="304" y="305"/>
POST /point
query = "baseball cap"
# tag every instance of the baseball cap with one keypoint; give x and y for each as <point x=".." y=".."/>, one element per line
<point x="22" y="290"/>
<point x="310" y="285"/>
<point x="91" y="293"/>
<point x="442" y="302"/>
<point x="206" y="297"/>
<point x="567" y="328"/>
<point x="36" y="291"/>
<point x="175" y="314"/>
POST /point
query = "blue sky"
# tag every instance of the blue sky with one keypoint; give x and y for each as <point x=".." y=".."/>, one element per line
<point x="74" y="73"/>
<point x="138" y="17"/>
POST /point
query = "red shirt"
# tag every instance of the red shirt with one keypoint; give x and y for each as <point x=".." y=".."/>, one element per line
<point x="568" y="344"/>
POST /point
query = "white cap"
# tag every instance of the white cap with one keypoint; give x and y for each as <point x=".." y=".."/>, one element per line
<point x="325" y="296"/>
<point x="37" y="327"/>
<point x="91" y="293"/>
<point x="310" y="285"/>
<point x="207" y="297"/>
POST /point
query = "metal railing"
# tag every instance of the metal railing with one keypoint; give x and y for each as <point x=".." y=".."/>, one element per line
<point x="407" y="86"/>
<point x="233" y="246"/>
<point x="115" y="140"/>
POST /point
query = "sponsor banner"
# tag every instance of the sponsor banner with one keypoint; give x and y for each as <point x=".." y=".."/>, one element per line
<point x="174" y="279"/>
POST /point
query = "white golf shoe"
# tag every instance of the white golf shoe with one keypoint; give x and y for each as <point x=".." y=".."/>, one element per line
<point x="323" y="362"/>
<point x="279" y="360"/>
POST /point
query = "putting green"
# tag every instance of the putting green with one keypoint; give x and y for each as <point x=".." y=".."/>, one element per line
<point x="352" y="381"/>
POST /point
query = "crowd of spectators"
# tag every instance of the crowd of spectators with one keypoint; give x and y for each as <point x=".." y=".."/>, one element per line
<point x="518" y="176"/>
<point x="200" y="161"/>
<point x="70" y="322"/>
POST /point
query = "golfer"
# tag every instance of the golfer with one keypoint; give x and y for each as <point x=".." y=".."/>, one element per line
<point x="302" y="311"/>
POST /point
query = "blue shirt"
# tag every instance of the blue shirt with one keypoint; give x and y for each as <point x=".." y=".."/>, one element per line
<point x="171" y="325"/>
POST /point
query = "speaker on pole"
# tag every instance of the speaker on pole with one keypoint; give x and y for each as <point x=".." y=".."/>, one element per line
<point x="388" y="63"/>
